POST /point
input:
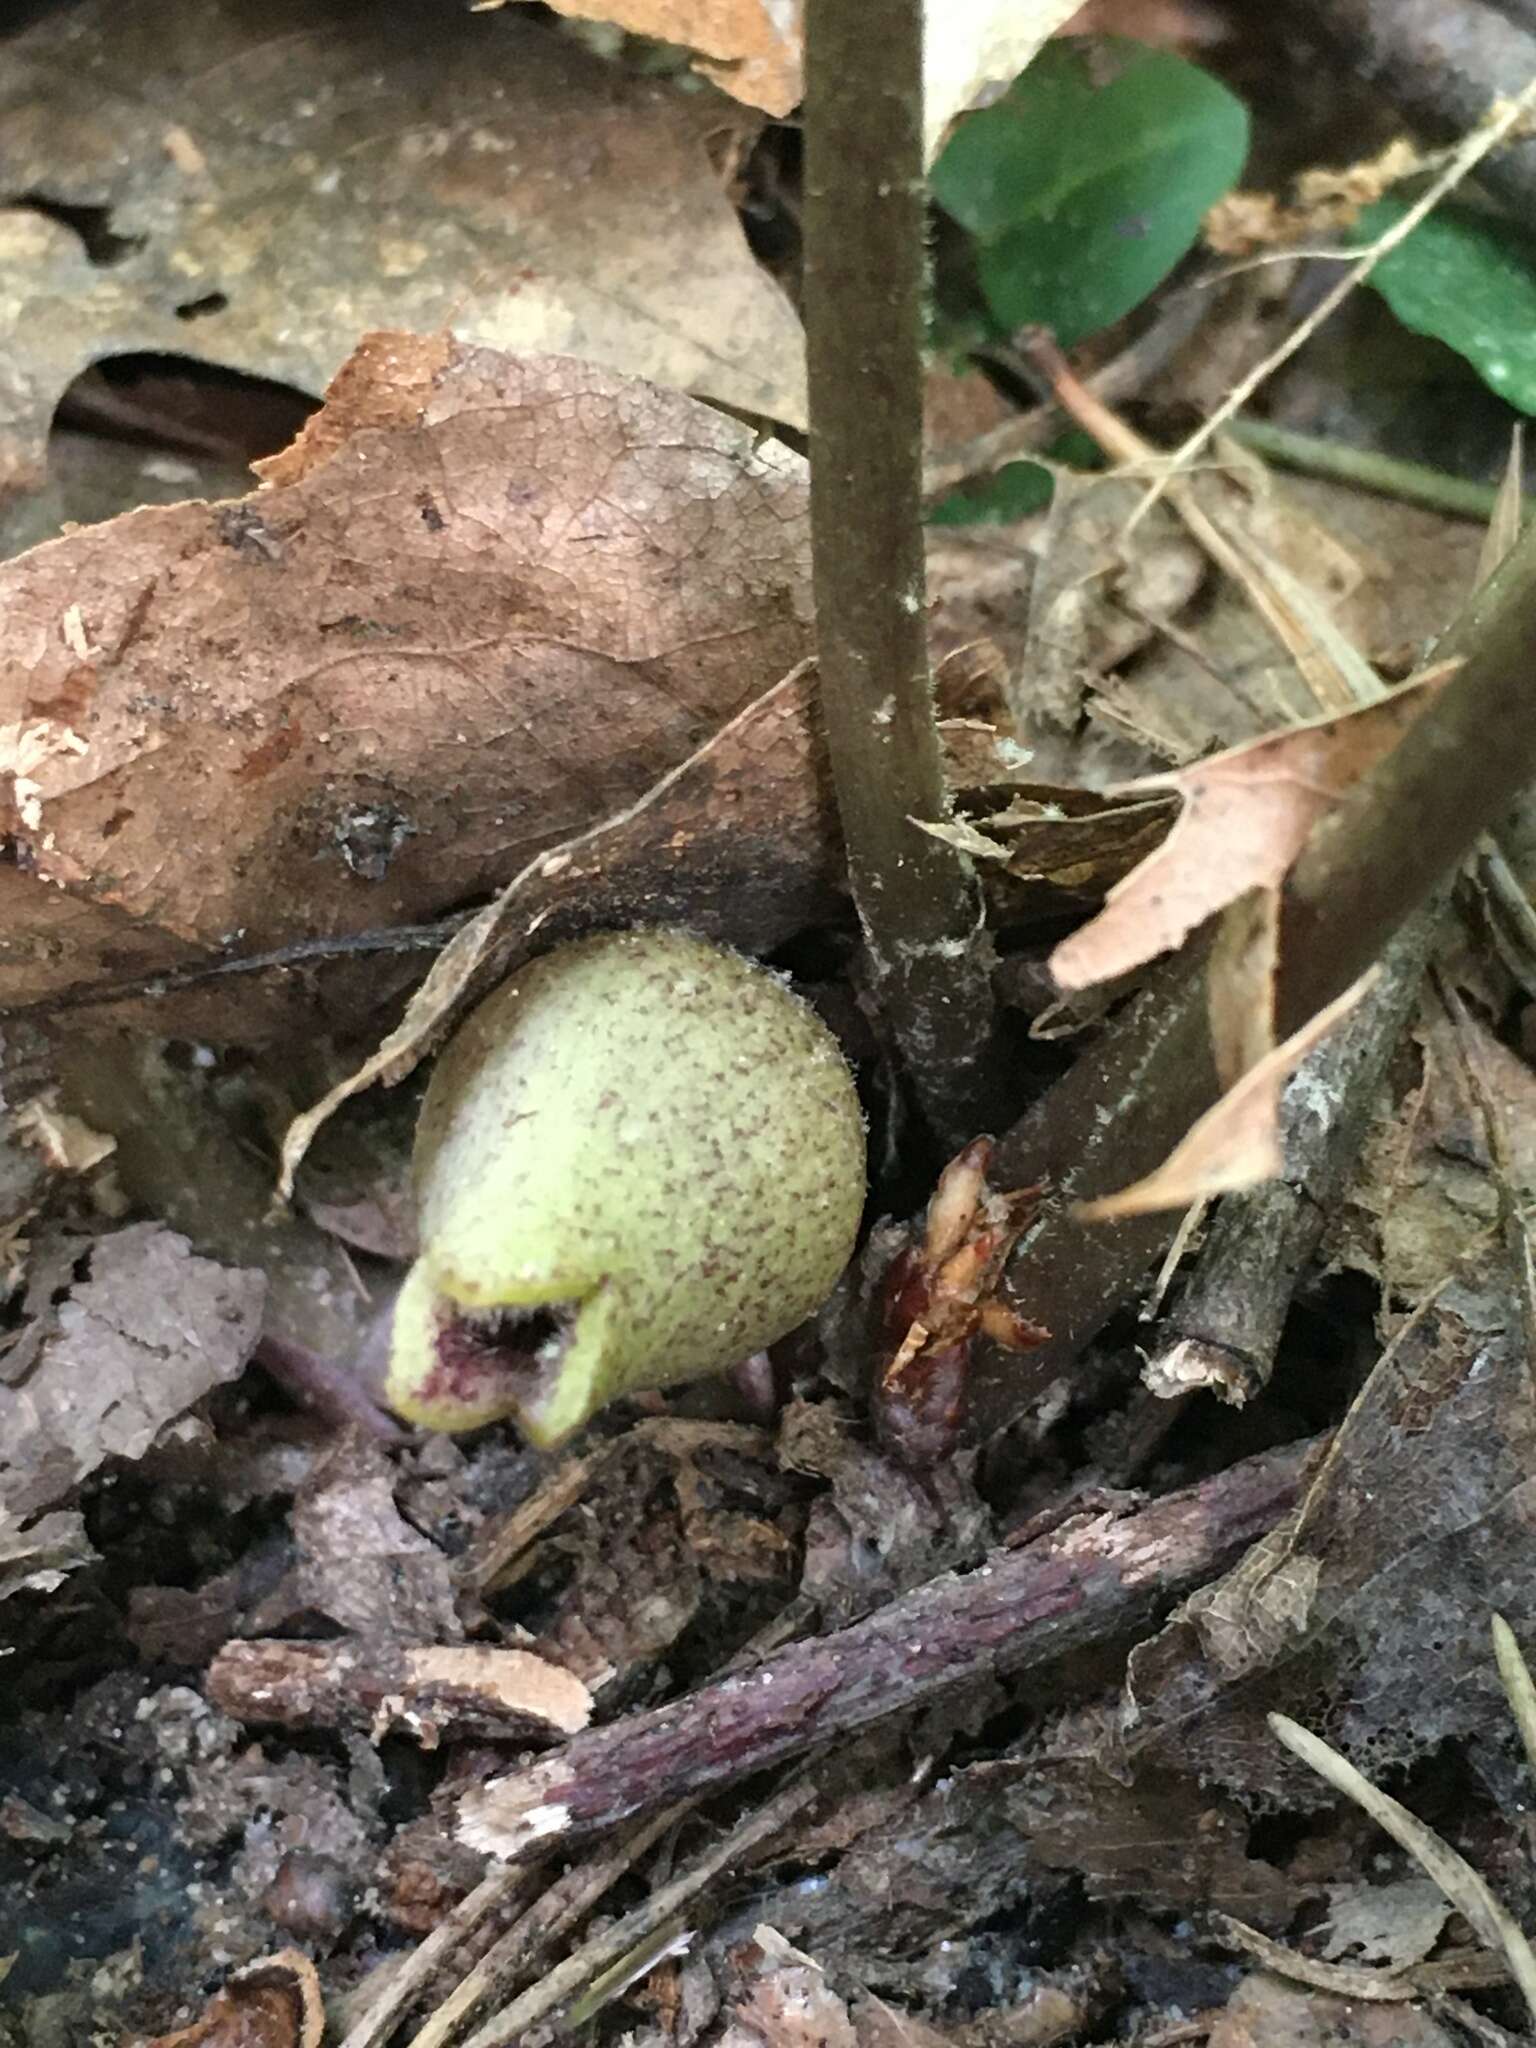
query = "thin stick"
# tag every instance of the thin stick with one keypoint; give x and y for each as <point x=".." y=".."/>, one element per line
<point x="1518" y="1689"/>
<point x="400" y="1988"/>
<point x="918" y="899"/>
<point x="578" y="1970"/>
<point x="1123" y="377"/>
<point x="1500" y="122"/>
<point x="1225" y="1330"/>
<point x="559" y="1907"/>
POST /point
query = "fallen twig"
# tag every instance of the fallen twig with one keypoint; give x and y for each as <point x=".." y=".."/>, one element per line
<point x="392" y="1993"/>
<point x="1091" y="1579"/>
<point x="1123" y="377"/>
<point x="578" y="1970"/>
<point x="561" y="1906"/>
<point x="1226" y="1327"/>
<point x="475" y="1688"/>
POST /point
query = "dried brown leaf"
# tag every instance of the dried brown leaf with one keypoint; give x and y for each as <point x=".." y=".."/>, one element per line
<point x="737" y="842"/>
<point x="789" y="2003"/>
<point x="497" y="600"/>
<point x="135" y="1344"/>
<point x="273" y="2003"/>
<point x="1054" y="848"/>
<point x="350" y="172"/>
<point x="39" y="1558"/>
<point x="1423" y="1195"/>
<point x="1247" y="814"/>
<point x="1241" y="984"/>
<point x="1236" y="1143"/>
<point x="1392" y="1924"/>
<point x="1508" y="508"/>
<point x="1266" y="2012"/>
<point x="754" y="49"/>
<point x="360" y="1563"/>
<point x="751" y="49"/>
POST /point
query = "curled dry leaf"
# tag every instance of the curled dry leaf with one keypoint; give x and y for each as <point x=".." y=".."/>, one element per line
<point x="1053" y="847"/>
<point x="1247" y="814"/>
<point x="272" y="2003"/>
<point x="482" y="602"/>
<point x="1236" y="1143"/>
<point x="275" y="183"/>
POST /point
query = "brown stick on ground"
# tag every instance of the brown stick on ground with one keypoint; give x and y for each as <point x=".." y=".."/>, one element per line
<point x="1089" y="1580"/>
<point x="474" y="1688"/>
<point x="1225" y="1329"/>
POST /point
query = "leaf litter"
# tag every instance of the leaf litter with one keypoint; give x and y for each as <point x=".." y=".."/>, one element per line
<point x="276" y="188"/>
<point x="508" y="646"/>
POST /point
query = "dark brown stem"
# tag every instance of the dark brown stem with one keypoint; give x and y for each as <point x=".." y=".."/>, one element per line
<point x="1088" y="1581"/>
<point x="1454" y="774"/>
<point x="918" y="900"/>
<point x="1444" y="66"/>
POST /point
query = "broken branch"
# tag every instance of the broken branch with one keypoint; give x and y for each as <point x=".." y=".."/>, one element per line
<point x="1226" y="1328"/>
<point x="1091" y="1579"/>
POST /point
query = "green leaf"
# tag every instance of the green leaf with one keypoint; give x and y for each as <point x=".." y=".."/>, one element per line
<point x="1087" y="181"/>
<point x="1012" y="492"/>
<point x="1470" y="281"/>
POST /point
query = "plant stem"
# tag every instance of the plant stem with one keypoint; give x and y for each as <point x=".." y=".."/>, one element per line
<point x="1455" y="772"/>
<point x="918" y="900"/>
<point x="1414" y="483"/>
